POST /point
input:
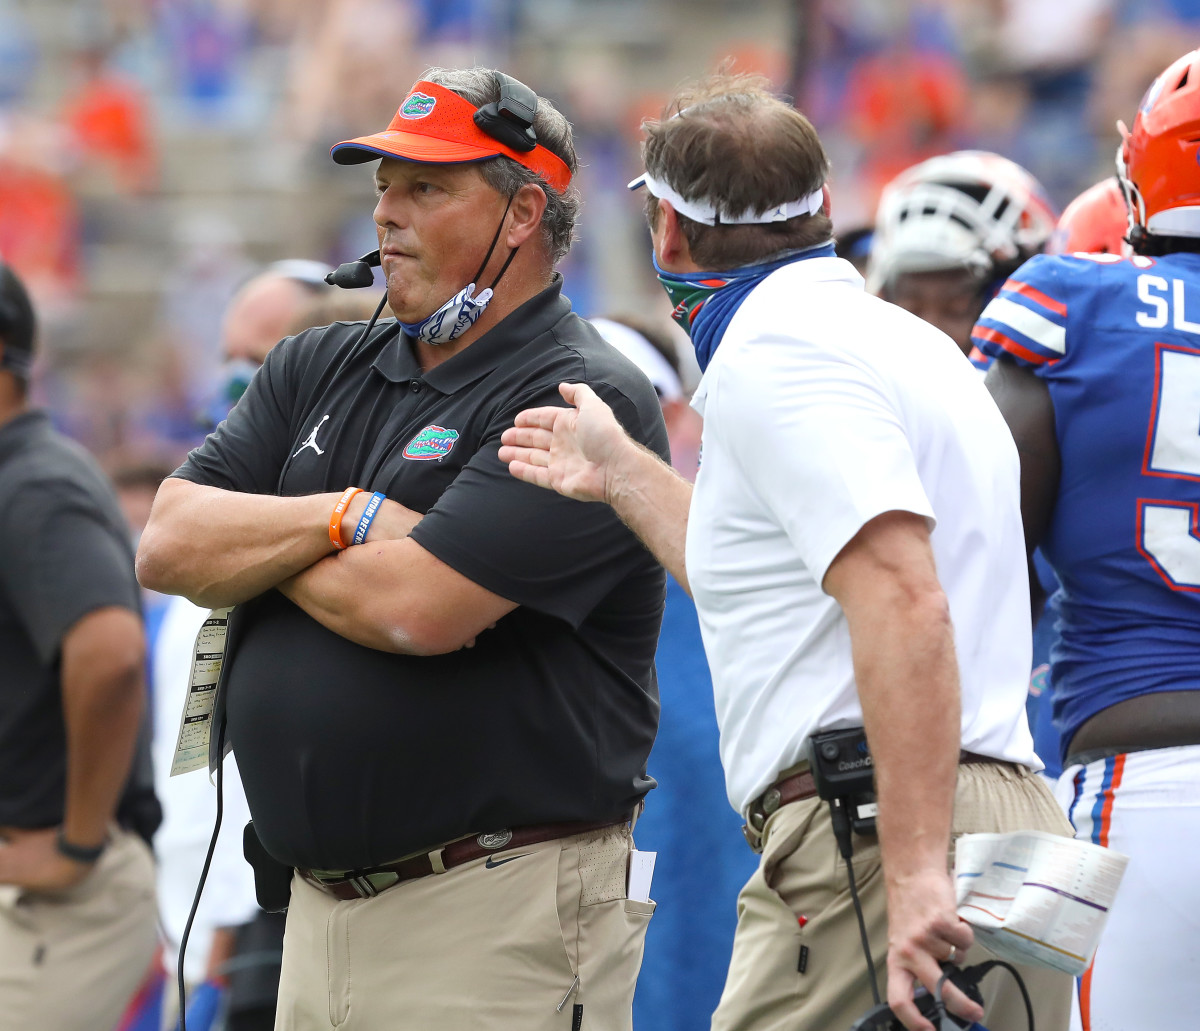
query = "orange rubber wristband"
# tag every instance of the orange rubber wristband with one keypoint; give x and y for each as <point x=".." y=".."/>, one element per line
<point x="335" y="520"/>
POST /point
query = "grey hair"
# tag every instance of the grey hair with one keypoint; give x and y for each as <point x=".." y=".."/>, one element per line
<point x="504" y="175"/>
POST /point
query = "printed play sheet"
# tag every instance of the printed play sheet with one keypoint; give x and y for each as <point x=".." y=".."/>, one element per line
<point x="195" y="725"/>
<point x="1034" y="897"/>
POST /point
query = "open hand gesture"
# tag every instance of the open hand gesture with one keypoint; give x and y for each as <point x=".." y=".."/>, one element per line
<point x="574" y="451"/>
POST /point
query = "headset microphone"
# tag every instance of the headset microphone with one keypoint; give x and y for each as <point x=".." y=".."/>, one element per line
<point x="354" y="274"/>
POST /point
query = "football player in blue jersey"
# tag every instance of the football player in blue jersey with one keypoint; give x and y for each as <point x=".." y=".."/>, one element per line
<point x="949" y="231"/>
<point x="1098" y="375"/>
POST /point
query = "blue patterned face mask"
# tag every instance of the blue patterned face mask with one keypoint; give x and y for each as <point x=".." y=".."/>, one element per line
<point x="459" y="313"/>
<point x="689" y="292"/>
<point x="454" y="317"/>
<point x="705" y="302"/>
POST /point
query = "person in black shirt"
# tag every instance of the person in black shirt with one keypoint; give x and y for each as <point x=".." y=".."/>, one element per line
<point x="444" y="698"/>
<point x="77" y="914"/>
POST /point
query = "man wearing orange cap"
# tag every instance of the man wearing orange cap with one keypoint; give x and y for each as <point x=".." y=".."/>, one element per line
<point x="440" y="686"/>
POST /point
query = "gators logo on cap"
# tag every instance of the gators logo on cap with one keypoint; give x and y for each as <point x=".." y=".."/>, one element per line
<point x="431" y="443"/>
<point x="418" y="105"/>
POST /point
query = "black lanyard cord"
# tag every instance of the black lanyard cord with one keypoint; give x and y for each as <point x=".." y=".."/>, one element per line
<point x="212" y="847"/>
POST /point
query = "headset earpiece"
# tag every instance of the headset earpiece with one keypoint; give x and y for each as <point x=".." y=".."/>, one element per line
<point x="510" y="119"/>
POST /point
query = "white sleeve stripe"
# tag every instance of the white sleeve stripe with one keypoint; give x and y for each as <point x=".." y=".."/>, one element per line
<point x="1029" y="323"/>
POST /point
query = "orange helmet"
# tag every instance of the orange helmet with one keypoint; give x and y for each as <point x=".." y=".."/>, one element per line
<point x="1158" y="160"/>
<point x="1095" y="222"/>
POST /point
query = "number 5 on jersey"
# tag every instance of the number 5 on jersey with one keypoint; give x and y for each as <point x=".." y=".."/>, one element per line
<point x="1169" y="531"/>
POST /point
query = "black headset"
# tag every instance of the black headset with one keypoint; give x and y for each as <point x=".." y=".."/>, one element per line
<point x="510" y="119"/>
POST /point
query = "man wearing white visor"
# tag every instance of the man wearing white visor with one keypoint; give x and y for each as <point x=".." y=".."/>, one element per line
<point x="854" y="547"/>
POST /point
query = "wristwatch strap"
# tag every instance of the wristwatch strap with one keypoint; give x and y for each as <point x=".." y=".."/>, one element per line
<point x="79" y="853"/>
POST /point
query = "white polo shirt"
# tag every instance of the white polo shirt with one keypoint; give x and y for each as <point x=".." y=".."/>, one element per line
<point x="823" y="408"/>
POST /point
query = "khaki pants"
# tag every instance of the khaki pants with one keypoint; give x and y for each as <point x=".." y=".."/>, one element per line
<point x="71" y="960"/>
<point x="540" y="938"/>
<point x="802" y="875"/>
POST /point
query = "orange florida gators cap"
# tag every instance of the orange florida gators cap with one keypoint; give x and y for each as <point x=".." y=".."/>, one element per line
<point x="436" y="126"/>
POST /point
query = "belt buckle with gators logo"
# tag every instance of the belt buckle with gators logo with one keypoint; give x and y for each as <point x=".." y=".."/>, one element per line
<point x="495" y="842"/>
<point x="430" y="444"/>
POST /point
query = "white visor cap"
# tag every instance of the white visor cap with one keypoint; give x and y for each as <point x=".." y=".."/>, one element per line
<point x="705" y="211"/>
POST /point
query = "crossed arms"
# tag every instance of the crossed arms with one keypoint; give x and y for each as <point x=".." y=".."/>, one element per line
<point x="220" y="547"/>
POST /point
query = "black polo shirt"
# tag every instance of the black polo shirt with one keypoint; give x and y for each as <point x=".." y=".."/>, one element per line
<point x="64" y="552"/>
<point x="350" y="756"/>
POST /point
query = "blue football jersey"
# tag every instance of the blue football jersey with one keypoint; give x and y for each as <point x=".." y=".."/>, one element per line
<point x="1117" y="342"/>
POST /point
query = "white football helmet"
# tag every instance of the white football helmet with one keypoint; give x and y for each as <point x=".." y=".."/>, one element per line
<point x="970" y="209"/>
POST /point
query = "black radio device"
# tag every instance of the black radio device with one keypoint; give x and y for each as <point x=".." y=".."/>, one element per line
<point x="842" y="768"/>
<point x="844" y="775"/>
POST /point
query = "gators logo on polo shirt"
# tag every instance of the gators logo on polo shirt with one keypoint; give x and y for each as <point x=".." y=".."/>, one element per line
<point x="418" y="105"/>
<point x="431" y="443"/>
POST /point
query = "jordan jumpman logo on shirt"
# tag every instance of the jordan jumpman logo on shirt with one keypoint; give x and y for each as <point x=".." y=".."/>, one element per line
<point x="312" y="438"/>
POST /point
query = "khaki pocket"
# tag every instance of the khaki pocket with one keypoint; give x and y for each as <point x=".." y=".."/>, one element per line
<point x="604" y="867"/>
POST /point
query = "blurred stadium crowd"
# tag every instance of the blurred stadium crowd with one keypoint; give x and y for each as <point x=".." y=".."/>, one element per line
<point x="154" y="152"/>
